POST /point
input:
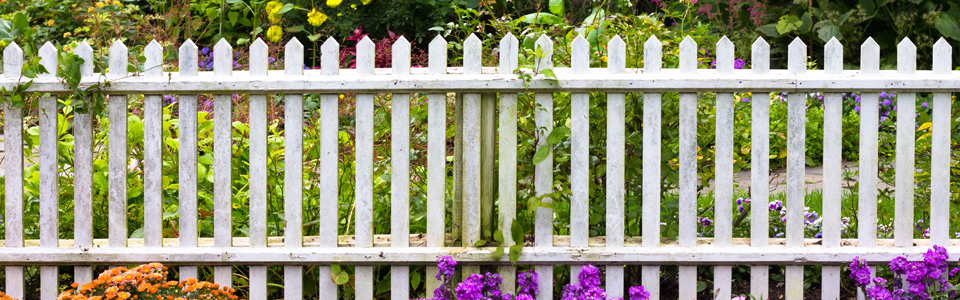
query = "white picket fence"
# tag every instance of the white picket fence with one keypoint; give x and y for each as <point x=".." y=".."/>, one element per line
<point x="473" y="80"/>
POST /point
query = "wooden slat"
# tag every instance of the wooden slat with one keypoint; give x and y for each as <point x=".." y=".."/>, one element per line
<point x="471" y="146"/>
<point x="400" y="170"/>
<point x="832" y="168"/>
<point x="688" y="169"/>
<point x="152" y="151"/>
<point x="579" y="154"/>
<point x="258" y="170"/>
<point x="364" y="171"/>
<point x="940" y="150"/>
<point x="293" y="170"/>
<point x="616" y="149"/>
<point x="329" y="151"/>
<point x="222" y="157"/>
<point x="13" y="161"/>
<point x="188" y="158"/>
<point x="437" y="149"/>
<point x="796" y="154"/>
<point x="507" y="173"/>
<point x="118" y="150"/>
<point x="652" y="54"/>
<point x="543" y="172"/>
<point x="48" y="186"/>
<point x="906" y="138"/>
<point x="723" y="184"/>
<point x="869" y="120"/>
<point x="760" y="165"/>
<point x="83" y="171"/>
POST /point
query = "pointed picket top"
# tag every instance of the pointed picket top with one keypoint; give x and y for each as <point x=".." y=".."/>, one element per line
<point x="870" y="57"/>
<point x="258" y="58"/>
<point x="365" y="56"/>
<point x="85" y="52"/>
<point x="616" y="55"/>
<point x="188" y="58"/>
<point x="580" y="55"/>
<point x="688" y="55"/>
<point x="118" y="60"/>
<point x="48" y="59"/>
<point x="833" y="56"/>
<point x="725" y="56"/>
<point x="942" y="58"/>
<point x="906" y="57"/>
<point x="330" y="57"/>
<point x="222" y="58"/>
<point x="509" y="54"/>
<point x="12" y="60"/>
<point x="797" y="57"/>
<point x="760" y="56"/>
<point x="401" y="57"/>
<point x="546" y="45"/>
<point x="472" y="55"/>
<point x="652" y="55"/>
<point x="153" y="52"/>
<point x="438" y="56"/>
<point x="293" y="58"/>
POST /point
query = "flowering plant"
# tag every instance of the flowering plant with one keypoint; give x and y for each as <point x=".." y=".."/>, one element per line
<point x="912" y="280"/>
<point x="145" y="282"/>
<point x="589" y="288"/>
<point x="481" y="287"/>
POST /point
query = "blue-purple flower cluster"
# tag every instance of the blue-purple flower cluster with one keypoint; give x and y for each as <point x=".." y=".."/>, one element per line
<point x="588" y="287"/>
<point x="912" y="280"/>
<point x="480" y="287"/>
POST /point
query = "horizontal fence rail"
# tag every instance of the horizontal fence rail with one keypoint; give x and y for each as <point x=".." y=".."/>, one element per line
<point x="481" y="91"/>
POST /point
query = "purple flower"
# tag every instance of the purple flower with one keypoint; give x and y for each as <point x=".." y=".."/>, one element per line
<point x="856" y="108"/>
<point x="589" y="276"/>
<point x="886" y="102"/>
<point x="705" y="222"/>
<point x="524" y="297"/>
<point x="571" y="292"/>
<point x="205" y="50"/>
<point x="638" y="293"/>
<point x="527" y="284"/>
<point x="879" y="290"/>
<point x="924" y="105"/>
<point x="883" y="95"/>
<point x="819" y="235"/>
<point x="860" y="272"/>
<point x="739" y="63"/>
<point x="898" y="265"/>
<point x="471" y="288"/>
<point x="445" y="266"/>
<point x="916" y="272"/>
<point x="776" y="205"/>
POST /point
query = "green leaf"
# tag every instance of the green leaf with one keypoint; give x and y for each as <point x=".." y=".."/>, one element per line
<point x="828" y="31"/>
<point x="341" y="278"/>
<point x="549" y="74"/>
<point x="701" y="286"/>
<point x="286" y="7"/>
<point x="141" y="59"/>
<point x="29" y="73"/>
<point x="788" y="23"/>
<point x="313" y="37"/>
<point x="541" y="18"/>
<point x="556" y="7"/>
<point x="516" y="230"/>
<point x="497" y="254"/>
<point x="869" y="7"/>
<point x="233" y="17"/>
<point x="948" y="26"/>
<point x="515" y="251"/>
<point x="334" y="269"/>
<point x="557" y="135"/>
<point x="807" y="22"/>
<point x="415" y="280"/>
<point x="541" y="154"/>
<point x="498" y="236"/>
<point x="479" y="243"/>
<point x="546" y="205"/>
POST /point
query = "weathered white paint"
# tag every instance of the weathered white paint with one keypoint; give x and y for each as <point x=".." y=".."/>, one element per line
<point x="222" y="157"/>
<point x="13" y="161"/>
<point x="796" y="154"/>
<point x="293" y="170"/>
<point x="723" y="190"/>
<point x="869" y="120"/>
<point x="400" y="170"/>
<point x="507" y="172"/>
<point x="48" y="186"/>
<point x="83" y="169"/>
<point x="906" y="138"/>
<point x="543" y="172"/>
<point x="832" y="168"/>
<point x="152" y="147"/>
<point x="188" y="158"/>
<point x="579" y="150"/>
<point x="364" y="171"/>
<point x="117" y="107"/>
<point x="329" y="164"/>
<point x="616" y="149"/>
<point x="940" y="150"/>
<point x="258" y="170"/>
<point x="651" y="164"/>
<point x="760" y="165"/>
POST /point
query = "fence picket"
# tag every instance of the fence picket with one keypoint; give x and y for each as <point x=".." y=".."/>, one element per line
<point x="759" y="170"/>
<point x="188" y="158"/>
<point x="869" y="139"/>
<point x="579" y="153"/>
<point x="940" y="151"/>
<point x="543" y="171"/>
<point x="653" y="63"/>
<point x="364" y="170"/>
<point x="832" y="168"/>
<point x="723" y="183"/>
<point x="400" y="171"/>
<point x="436" y="158"/>
<point x="616" y="149"/>
<point x="509" y="59"/>
<point x="796" y="154"/>
<point x="152" y="147"/>
<point x="472" y="158"/>
<point x="688" y="169"/>
<point x="293" y="170"/>
<point x="329" y="151"/>
<point x="222" y="157"/>
<point x="83" y="172"/>
<point x="906" y="138"/>
<point x="258" y="170"/>
<point x="118" y="150"/>
<point x="48" y="183"/>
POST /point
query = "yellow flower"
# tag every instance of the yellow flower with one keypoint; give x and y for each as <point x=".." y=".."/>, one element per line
<point x="274" y="33"/>
<point x="99" y="4"/>
<point x="50" y="23"/>
<point x="316" y="18"/>
<point x="333" y="3"/>
<point x="90" y="9"/>
<point x="115" y="2"/>
<point x="3" y="43"/>
<point x="365" y="2"/>
<point x="73" y="5"/>
<point x="353" y="6"/>
<point x="273" y="7"/>
<point x="66" y="34"/>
